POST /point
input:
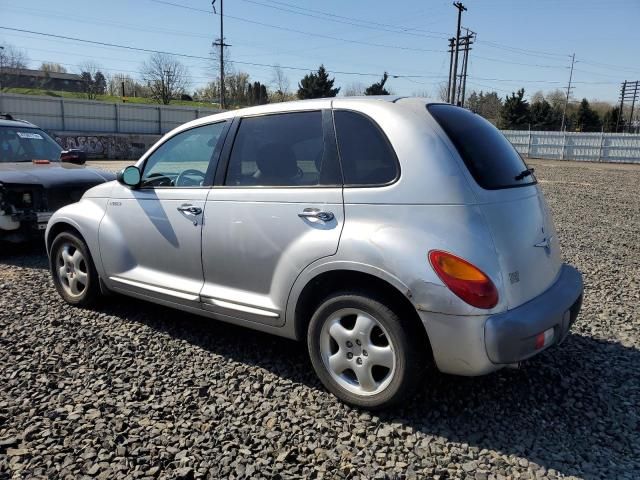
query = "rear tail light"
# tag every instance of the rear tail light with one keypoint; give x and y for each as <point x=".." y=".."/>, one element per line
<point x="464" y="279"/>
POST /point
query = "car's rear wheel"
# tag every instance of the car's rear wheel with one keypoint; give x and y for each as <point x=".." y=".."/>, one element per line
<point x="74" y="274"/>
<point x="362" y="351"/>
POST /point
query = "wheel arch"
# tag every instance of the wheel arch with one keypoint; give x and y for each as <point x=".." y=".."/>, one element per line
<point x="59" y="227"/>
<point x="328" y="281"/>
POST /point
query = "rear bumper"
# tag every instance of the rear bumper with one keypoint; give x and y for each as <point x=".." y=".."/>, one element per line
<point x="510" y="337"/>
<point x="476" y="345"/>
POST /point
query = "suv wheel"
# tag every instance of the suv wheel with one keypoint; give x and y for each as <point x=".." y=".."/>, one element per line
<point x="362" y="352"/>
<point x="72" y="269"/>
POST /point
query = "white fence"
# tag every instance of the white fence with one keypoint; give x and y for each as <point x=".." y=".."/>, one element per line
<point x="91" y="117"/>
<point x="63" y="114"/>
<point x="589" y="147"/>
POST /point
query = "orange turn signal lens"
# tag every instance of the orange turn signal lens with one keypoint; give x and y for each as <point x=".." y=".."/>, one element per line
<point x="464" y="279"/>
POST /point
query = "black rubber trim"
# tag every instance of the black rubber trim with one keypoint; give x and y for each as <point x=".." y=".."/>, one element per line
<point x="510" y="336"/>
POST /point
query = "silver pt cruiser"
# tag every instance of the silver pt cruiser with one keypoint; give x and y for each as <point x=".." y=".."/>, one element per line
<point x="386" y="232"/>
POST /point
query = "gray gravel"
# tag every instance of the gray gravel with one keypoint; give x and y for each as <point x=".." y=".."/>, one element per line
<point x="133" y="390"/>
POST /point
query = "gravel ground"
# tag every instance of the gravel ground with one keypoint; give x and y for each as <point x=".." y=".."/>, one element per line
<point x="133" y="390"/>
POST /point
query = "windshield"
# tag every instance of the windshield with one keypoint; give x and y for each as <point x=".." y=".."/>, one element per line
<point x="26" y="144"/>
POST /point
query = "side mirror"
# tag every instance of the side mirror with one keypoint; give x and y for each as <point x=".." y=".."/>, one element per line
<point x="130" y="176"/>
<point x="77" y="157"/>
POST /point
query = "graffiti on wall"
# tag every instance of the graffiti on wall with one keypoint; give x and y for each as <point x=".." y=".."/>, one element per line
<point x="125" y="147"/>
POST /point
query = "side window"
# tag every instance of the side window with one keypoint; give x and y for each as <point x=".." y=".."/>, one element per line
<point x="278" y="150"/>
<point x="183" y="160"/>
<point x="366" y="155"/>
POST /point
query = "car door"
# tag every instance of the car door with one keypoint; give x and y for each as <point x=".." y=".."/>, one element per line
<point x="150" y="237"/>
<point x="275" y="209"/>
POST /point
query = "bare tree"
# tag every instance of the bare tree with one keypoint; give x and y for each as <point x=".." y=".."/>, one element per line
<point x="421" y="93"/>
<point x="556" y="98"/>
<point x="12" y="57"/>
<point x="209" y="93"/>
<point x="121" y="84"/>
<point x="443" y="90"/>
<point x="354" y="89"/>
<point x="94" y="80"/>
<point x="537" y="97"/>
<point x="165" y="77"/>
<point x="51" y="67"/>
<point x="281" y="85"/>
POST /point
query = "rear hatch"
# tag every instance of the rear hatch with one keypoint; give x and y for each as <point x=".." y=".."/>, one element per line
<point x="511" y="201"/>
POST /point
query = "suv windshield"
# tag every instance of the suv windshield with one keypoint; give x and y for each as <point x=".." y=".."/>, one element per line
<point x="489" y="156"/>
<point x="18" y="144"/>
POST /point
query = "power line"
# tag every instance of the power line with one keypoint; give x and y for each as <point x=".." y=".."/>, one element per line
<point x="351" y="21"/>
<point x="184" y="55"/>
<point x="403" y="29"/>
<point x="302" y="32"/>
<point x="370" y="22"/>
<point x="518" y="50"/>
<point x="499" y="60"/>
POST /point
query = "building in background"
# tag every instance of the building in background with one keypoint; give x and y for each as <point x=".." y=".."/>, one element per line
<point x="25" y="78"/>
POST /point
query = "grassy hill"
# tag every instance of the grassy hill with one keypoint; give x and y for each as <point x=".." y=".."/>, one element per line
<point x="103" y="98"/>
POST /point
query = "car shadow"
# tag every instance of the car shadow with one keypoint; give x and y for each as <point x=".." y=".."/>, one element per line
<point x="561" y="410"/>
<point x="564" y="410"/>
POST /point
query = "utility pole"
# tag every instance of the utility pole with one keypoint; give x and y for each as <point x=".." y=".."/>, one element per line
<point x="1" y="66"/>
<point x="623" y="91"/>
<point x="461" y="8"/>
<point x="451" y="44"/>
<point x="564" y="110"/>
<point x="633" y="104"/>
<point x="221" y="44"/>
<point x="467" y="40"/>
<point x="629" y="91"/>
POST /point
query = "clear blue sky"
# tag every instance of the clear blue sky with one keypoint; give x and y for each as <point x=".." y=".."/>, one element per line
<point x="520" y="43"/>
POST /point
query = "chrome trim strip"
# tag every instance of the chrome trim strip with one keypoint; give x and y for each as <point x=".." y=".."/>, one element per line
<point x="153" y="288"/>
<point x="239" y="307"/>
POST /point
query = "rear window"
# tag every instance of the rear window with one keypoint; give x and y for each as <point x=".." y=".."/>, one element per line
<point x="489" y="156"/>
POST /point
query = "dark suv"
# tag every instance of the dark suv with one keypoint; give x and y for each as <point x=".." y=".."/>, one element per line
<point x="36" y="178"/>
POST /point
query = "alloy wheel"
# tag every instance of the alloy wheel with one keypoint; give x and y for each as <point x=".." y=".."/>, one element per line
<point x="357" y="352"/>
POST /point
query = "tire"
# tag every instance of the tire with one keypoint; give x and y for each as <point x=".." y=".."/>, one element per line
<point x="72" y="269"/>
<point x="383" y="368"/>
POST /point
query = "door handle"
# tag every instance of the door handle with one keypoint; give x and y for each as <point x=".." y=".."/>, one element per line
<point x="190" y="209"/>
<point x="316" y="213"/>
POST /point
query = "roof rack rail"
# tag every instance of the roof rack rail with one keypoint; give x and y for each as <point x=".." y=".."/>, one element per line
<point x="7" y="116"/>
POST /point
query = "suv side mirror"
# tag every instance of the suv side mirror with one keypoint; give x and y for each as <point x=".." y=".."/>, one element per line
<point x="75" y="156"/>
<point x="130" y="176"/>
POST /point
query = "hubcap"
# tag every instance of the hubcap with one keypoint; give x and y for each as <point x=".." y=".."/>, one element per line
<point x="357" y="352"/>
<point x="72" y="270"/>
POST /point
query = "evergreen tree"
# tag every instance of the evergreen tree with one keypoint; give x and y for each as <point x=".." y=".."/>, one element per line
<point x="378" y="87"/>
<point x="544" y="116"/>
<point x="610" y="120"/>
<point x="587" y="119"/>
<point x="250" y="95"/>
<point x="317" y="85"/>
<point x="515" y="113"/>
<point x="264" y="96"/>
<point x="99" y="83"/>
<point x="487" y="105"/>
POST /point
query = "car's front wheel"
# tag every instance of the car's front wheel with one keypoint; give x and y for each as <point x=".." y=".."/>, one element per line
<point x="362" y="351"/>
<point x="72" y="270"/>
